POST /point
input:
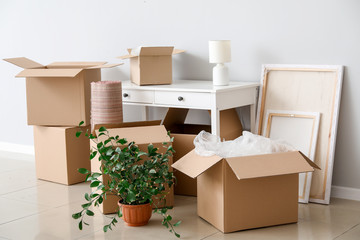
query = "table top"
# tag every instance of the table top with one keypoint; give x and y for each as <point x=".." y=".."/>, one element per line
<point x="192" y="86"/>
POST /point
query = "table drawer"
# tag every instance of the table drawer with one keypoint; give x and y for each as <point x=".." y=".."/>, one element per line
<point x="190" y="99"/>
<point x="138" y="96"/>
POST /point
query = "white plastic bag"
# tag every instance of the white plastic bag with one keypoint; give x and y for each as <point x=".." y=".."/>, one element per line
<point x="207" y="144"/>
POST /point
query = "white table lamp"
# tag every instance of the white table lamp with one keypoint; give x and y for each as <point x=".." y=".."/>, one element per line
<point x="220" y="53"/>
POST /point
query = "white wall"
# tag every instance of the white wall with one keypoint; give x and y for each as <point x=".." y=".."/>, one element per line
<point x="263" y="31"/>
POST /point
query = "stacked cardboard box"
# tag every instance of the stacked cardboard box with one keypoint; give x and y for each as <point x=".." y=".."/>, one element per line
<point x="58" y="99"/>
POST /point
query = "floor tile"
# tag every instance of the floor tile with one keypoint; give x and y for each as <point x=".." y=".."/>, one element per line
<point x="55" y="224"/>
<point x="14" y="161"/>
<point x="12" y="210"/>
<point x="16" y="180"/>
<point x="352" y="234"/>
<point x="51" y="194"/>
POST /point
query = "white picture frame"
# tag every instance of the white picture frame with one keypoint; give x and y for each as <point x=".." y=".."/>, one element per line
<point x="300" y="130"/>
<point x="308" y="88"/>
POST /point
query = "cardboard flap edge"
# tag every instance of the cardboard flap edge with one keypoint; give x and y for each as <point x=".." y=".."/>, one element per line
<point x="24" y="62"/>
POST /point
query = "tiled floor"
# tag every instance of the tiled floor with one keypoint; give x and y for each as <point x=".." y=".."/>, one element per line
<point x="35" y="209"/>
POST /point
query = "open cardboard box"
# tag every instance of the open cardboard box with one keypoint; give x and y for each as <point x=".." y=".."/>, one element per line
<point x="59" y="154"/>
<point x="151" y="65"/>
<point x="184" y="134"/>
<point x="142" y="133"/>
<point x="246" y="192"/>
<point x="58" y="94"/>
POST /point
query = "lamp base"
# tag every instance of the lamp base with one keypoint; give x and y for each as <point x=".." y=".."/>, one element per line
<point x="220" y="75"/>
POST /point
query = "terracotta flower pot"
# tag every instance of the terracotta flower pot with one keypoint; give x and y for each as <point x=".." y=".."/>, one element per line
<point x="136" y="215"/>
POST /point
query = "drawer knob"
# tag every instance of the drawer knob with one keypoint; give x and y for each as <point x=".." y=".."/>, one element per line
<point x="125" y="95"/>
<point x="180" y="98"/>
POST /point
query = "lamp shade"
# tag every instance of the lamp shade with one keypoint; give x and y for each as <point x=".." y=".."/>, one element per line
<point x="219" y="51"/>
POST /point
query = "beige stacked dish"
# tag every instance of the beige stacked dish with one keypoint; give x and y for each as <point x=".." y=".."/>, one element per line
<point x="106" y="103"/>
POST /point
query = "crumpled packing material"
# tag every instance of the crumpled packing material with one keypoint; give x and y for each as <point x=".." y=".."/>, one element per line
<point x="207" y="144"/>
<point x="106" y="103"/>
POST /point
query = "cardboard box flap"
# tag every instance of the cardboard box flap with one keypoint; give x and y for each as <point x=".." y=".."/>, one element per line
<point x="269" y="165"/>
<point x="193" y="164"/>
<point x="106" y="66"/>
<point x="128" y="124"/>
<point x="127" y="56"/>
<point x="156" y="51"/>
<point x="24" y="62"/>
<point x="142" y="135"/>
<point x="176" y="51"/>
<point x="49" y="72"/>
<point x="173" y="117"/>
<point x="311" y="163"/>
<point x="74" y="64"/>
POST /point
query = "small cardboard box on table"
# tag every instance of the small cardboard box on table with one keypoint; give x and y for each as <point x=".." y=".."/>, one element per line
<point x="246" y="192"/>
<point x="142" y="133"/>
<point x="58" y="94"/>
<point x="184" y="134"/>
<point x="59" y="154"/>
<point x="151" y="65"/>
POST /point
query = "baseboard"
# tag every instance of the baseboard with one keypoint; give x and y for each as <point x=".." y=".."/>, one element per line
<point x="17" y="148"/>
<point x="345" y="192"/>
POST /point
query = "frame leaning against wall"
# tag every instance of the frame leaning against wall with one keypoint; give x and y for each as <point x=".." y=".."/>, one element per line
<point x="300" y="129"/>
<point x="306" y="88"/>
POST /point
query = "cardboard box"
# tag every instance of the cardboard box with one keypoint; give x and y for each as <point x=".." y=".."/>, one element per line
<point x="59" y="154"/>
<point x="142" y="133"/>
<point x="151" y="65"/>
<point x="184" y="134"/>
<point x="58" y="94"/>
<point x="246" y="192"/>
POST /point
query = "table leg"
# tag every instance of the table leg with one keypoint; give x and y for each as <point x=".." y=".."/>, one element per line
<point x="252" y="117"/>
<point x="145" y="113"/>
<point x="215" y="122"/>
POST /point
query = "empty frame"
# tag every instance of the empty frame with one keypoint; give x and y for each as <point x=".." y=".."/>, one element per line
<point x="299" y="129"/>
<point x="306" y="88"/>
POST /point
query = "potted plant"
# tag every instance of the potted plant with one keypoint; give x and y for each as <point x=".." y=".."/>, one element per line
<point x="138" y="178"/>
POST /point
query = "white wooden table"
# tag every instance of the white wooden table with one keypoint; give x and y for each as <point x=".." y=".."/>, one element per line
<point x="194" y="94"/>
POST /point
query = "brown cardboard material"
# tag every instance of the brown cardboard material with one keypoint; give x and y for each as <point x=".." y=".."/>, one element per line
<point x="184" y="134"/>
<point x="142" y="133"/>
<point x="153" y="65"/>
<point x="58" y="94"/>
<point x="59" y="154"/>
<point x="246" y="192"/>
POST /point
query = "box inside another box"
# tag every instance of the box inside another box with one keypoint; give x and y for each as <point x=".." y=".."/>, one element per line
<point x="184" y="134"/>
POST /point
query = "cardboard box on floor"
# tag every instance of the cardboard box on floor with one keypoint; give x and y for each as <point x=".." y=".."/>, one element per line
<point x="184" y="134"/>
<point x="151" y="65"/>
<point x="142" y="133"/>
<point x="59" y="154"/>
<point x="246" y="192"/>
<point x="58" y="94"/>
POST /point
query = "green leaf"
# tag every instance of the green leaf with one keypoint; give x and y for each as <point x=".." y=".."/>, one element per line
<point x="93" y="154"/>
<point x="76" y="215"/>
<point x="96" y="175"/>
<point x="81" y="123"/>
<point x="159" y="180"/>
<point x="131" y="197"/>
<point x="95" y="184"/>
<point x="102" y="129"/>
<point x="168" y="218"/>
<point x="78" y="133"/>
<point x="86" y="205"/>
<point x="89" y="213"/>
<point x="177" y="224"/>
<point x="122" y="141"/>
<point x="177" y="235"/>
<point x="152" y="171"/>
<point x="87" y="197"/>
<point x="83" y="171"/>
<point x="106" y="227"/>
<point x="80" y="225"/>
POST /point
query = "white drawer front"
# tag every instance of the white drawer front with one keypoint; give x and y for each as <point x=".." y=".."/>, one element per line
<point x="138" y="96"/>
<point x="190" y="99"/>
